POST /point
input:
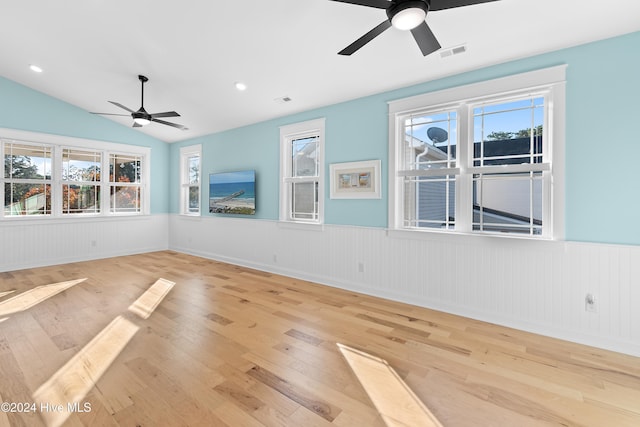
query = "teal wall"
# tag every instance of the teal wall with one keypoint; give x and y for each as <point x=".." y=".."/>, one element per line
<point x="602" y="193"/>
<point x="26" y="109"/>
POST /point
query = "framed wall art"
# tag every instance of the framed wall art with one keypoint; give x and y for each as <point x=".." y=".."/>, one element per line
<point x="355" y="180"/>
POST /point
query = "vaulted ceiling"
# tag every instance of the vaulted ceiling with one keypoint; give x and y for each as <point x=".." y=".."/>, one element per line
<point x="194" y="51"/>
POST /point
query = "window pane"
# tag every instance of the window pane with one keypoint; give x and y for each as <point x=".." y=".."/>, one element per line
<point x="194" y="169"/>
<point x="27" y="199"/>
<point x="80" y="199"/>
<point x="125" y="199"/>
<point x="510" y="203"/>
<point x="124" y="168"/>
<point x="509" y="132"/>
<point x="81" y="165"/>
<point x="430" y="202"/>
<point x="304" y="200"/>
<point x="304" y="156"/>
<point x="194" y="199"/>
<point x="23" y="161"/>
<point x="430" y="141"/>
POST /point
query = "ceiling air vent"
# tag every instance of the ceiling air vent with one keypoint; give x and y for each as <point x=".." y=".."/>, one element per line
<point x="283" y="100"/>
<point x="453" y="51"/>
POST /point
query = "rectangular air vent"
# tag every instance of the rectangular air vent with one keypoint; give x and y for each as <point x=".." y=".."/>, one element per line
<point x="453" y="51"/>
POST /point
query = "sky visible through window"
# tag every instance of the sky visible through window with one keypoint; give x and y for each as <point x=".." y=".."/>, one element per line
<point x="505" y="118"/>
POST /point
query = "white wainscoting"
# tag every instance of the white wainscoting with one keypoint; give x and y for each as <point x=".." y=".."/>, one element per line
<point x="538" y="286"/>
<point x="36" y="242"/>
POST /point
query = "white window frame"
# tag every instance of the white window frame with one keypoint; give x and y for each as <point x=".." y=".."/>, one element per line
<point x="288" y="134"/>
<point x="187" y="153"/>
<point x="58" y="204"/>
<point x="548" y="81"/>
<point x="57" y="144"/>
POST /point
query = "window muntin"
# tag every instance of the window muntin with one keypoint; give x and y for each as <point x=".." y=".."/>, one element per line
<point x="301" y="190"/>
<point x="513" y="159"/>
<point x="27" y="178"/>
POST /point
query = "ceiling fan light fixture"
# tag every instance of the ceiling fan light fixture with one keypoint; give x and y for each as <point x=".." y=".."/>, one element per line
<point x="141" y="121"/>
<point x="408" y="15"/>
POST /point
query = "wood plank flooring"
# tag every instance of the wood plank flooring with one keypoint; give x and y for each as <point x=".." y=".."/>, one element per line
<point x="230" y="346"/>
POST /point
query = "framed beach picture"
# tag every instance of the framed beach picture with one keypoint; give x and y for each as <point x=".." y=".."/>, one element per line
<point x="233" y="192"/>
<point x="355" y="180"/>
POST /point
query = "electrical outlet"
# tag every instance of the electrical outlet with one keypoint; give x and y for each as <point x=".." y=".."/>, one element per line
<point x="361" y="267"/>
<point x="275" y="258"/>
<point x="590" y="303"/>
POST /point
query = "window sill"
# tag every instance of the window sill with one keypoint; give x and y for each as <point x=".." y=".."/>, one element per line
<point x="441" y="235"/>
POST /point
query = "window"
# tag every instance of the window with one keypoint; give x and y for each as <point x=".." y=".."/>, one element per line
<point x="62" y="176"/>
<point x="479" y="158"/>
<point x="81" y="181"/>
<point x="301" y="169"/>
<point x="509" y="134"/>
<point x="27" y="178"/>
<point x="125" y="188"/>
<point x="190" y="180"/>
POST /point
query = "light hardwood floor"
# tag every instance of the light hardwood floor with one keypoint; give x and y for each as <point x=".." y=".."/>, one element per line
<point x="230" y="346"/>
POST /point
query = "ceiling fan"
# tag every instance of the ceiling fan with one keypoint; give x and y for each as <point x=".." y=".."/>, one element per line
<point x="406" y="15"/>
<point x="141" y="117"/>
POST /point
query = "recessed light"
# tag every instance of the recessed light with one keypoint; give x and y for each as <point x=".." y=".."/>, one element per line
<point x="35" y="68"/>
<point x="241" y="86"/>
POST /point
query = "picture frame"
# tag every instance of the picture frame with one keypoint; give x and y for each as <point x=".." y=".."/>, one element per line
<point x="233" y="192"/>
<point x="355" y="180"/>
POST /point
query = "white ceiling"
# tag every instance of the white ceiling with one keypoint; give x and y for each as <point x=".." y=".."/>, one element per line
<point x="193" y="51"/>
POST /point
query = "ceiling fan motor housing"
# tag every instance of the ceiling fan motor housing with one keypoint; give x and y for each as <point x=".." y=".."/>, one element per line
<point x="141" y="114"/>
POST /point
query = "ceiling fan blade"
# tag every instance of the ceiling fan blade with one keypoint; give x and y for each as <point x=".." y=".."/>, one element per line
<point x="450" y="4"/>
<point x="122" y="106"/>
<point x="165" y="114"/>
<point x="175" y="125"/>
<point x="111" y="114"/>
<point x="378" y="4"/>
<point x="353" y="47"/>
<point x="427" y="42"/>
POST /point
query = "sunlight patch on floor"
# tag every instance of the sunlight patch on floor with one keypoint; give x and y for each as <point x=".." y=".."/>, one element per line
<point x="6" y="293"/>
<point x="35" y="296"/>
<point x="395" y="401"/>
<point x="151" y="298"/>
<point x="73" y="381"/>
